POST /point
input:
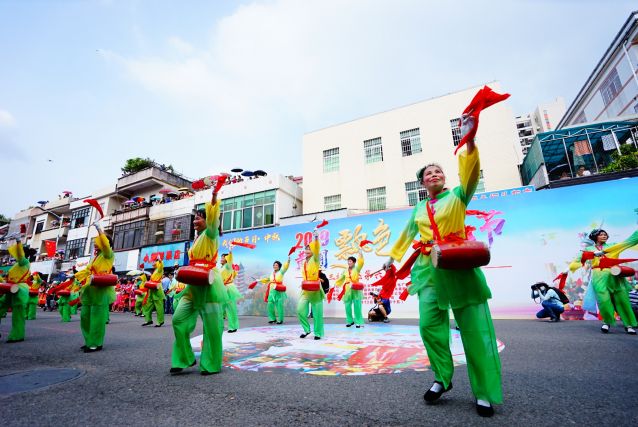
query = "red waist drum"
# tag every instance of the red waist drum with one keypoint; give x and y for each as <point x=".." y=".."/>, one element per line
<point x="103" y="280"/>
<point x="462" y="255"/>
<point x="139" y="292"/>
<point x="196" y="276"/>
<point x="357" y="286"/>
<point x="64" y="293"/>
<point x="34" y="293"/>
<point x="622" y="271"/>
<point x="280" y="288"/>
<point x="310" y="285"/>
<point x="150" y="284"/>
<point x="8" y="288"/>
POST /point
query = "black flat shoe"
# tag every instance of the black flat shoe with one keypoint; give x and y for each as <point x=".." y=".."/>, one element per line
<point x="14" y="341"/>
<point x="158" y="325"/>
<point x="431" y="396"/>
<point x="174" y="371"/>
<point x="147" y="323"/>
<point x="270" y="322"/>
<point x="317" y="338"/>
<point x="208" y="373"/>
<point x="83" y="348"/>
<point x="230" y="331"/>
<point x="304" y="335"/>
<point x="484" y="411"/>
<point x="279" y="323"/>
<point x="349" y="324"/>
<point x="91" y="349"/>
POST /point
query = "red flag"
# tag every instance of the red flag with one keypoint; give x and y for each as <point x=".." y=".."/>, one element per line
<point x="221" y="180"/>
<point x="23" y="229"/>
<point x="611" y="262"/>
<point x="96" y="205"/>
<point x="50" y="246"/>
<point x="292" y="250"/>
<point x="198" y="184"/>
<point x="323" y="224"/>
<point x="365" y="242"/>
<point x="586" y="256"/>
<point x="483" y="99"/>
<point x="244" y="245"/>
<point x="388" y="282"/>
<point x="563" y="280"/>
<point x="252" y="285"/>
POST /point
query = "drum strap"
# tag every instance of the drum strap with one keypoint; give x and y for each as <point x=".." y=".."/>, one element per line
<point x="435" y="228"/>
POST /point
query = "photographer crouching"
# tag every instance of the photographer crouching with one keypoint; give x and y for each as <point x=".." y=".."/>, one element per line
<point x="549" y="299"/>
<point x="379" y="313"/>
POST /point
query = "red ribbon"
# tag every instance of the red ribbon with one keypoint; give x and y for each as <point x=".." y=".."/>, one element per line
<point x="323" y="224"/>
<point x="365" y="242"/>
<point x="96" y="205"/>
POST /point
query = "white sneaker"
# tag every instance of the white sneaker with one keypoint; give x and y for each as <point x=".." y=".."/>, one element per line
<point x="630" y="330"/>
<point x="604" y="329"/>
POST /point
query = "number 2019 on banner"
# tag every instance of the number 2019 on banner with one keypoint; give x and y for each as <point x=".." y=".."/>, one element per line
<point x="304" y="239"/>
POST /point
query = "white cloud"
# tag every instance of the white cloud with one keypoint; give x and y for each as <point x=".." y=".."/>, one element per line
<point x="180" y="45"/>
<point x="7" y="119"/>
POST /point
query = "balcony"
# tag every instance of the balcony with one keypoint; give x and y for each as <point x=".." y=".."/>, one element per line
<point x="53" y="233"/>
<point x="130" y="214"/>
<point x="149" y="178"/>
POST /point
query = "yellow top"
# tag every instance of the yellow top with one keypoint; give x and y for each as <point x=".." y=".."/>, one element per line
<point x="158" y="273"/>
<point x="100" y="264"/>
<point x="37" y="281"/>
<point x="19" y="272"/>
<point x="611" y="251"/>
<point x="449" y="212"/>
<point x="310" y="269"/>
<point x="206" y="244"/>
<point x="348" y="277"/>
<point x="227" y="271"/>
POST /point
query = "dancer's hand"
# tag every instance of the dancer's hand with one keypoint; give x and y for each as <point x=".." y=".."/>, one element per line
<point x="388" y="263"/>
<point x="599" y="253"/>
<point x="467" y="124"/>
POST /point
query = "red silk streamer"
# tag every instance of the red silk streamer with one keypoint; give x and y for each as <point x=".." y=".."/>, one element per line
<point x="586" y="256"/>
<point x="483" y="99"/>
<point x="611" y="262"/>
<point x="244" y="245"/>
<point x="96" y="205"/>
<point x="267" y="292"/>
<point x="388" y="283"/>
<point x="365" y="242"/>
<point x="252" y="285"/>
<point x="292" y="250"/>
<point x="59" y="287"/>
<point x="342" y="293"/>
<point x="198" y="184"/>
<point x="221" y="180"/>
<point x="323" y="224"/>
<point x="329" y="294"/>
<point x="563" y="280"/>
<point x="404" y="294"/>
<point x="74" y="302"/>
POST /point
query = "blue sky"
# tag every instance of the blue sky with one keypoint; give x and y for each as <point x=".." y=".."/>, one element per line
<point x="210" y="85"/>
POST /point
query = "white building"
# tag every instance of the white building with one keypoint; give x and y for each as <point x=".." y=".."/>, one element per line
<point x="543" y="119"/>
<point x="371" y="163"/>
<point x="611" y="90"/>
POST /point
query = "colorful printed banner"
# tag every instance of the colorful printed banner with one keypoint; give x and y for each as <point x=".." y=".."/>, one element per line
<point x="172" y="254"/>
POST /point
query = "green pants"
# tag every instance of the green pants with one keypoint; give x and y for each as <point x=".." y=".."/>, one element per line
<point x="230" y="311"/>
<point x="158" y="305"/>
<point x="184" y="322"/>
<point x="276" y="310"/>
<point x="358" y="317"/>
<point x="93" y="324"/>
<point x="479" y="344"/>
<point x="65" y="311"/>
<point x="607" y="299"/>
<point x="32" y="307"/>
<point x="18" y="319"/>
<point x="138" y="305"/>
<point x="317" y="314"/>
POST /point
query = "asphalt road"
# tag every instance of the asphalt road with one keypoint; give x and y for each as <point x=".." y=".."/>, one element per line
<point x="553" y="374"/>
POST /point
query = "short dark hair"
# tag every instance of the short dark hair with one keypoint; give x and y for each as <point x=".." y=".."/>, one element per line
<point x="593" y="236"/>
<point x="419" y="174"/>
<point x="278" y="263"/>
<point x="351" y="258"/>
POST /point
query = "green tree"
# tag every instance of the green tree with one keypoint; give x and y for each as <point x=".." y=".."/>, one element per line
<point x="4" y="220"/>
<point x="136" y="164"/>
<point x="627" y="159"/>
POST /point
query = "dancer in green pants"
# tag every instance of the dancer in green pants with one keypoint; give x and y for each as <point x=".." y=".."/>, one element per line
<point x="64" y="308"/>
<point x="95" y="300"/>
<point x="276" y="292"/>
<point x="140" y="293"/>
<point x="312" y="294"/>
<point x="34" y="291"/>
<point x="352" y="297"/>
<point x="203" y="301"/>
<point x="18" y="274"/>
<point x="75" y="294"/>
<point x="612" y="292"/>
<point x="228" y="276"/>
<point x="465" y="291"/>
<point x="154" y="299"/>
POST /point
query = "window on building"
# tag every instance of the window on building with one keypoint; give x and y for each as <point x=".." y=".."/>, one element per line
<point x="129" y="236"/>
<point x="581" y="118"/>
<point x="480" y="187"/>
<point x="376" y="199"/>
<point x="610" y="87"/>
<point x="415" y="192"/>
<point x="331" y="160"/>
<point x="455" y="124"/>
<point x="373" y="150"/>
<point x="74" y="249"/>
<point x="80" y="217"/>
<point x="39" y="226"/>
<point x="249" y="211"/>
<point x="331" y="203"/>
<point x="410" y="142"/>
